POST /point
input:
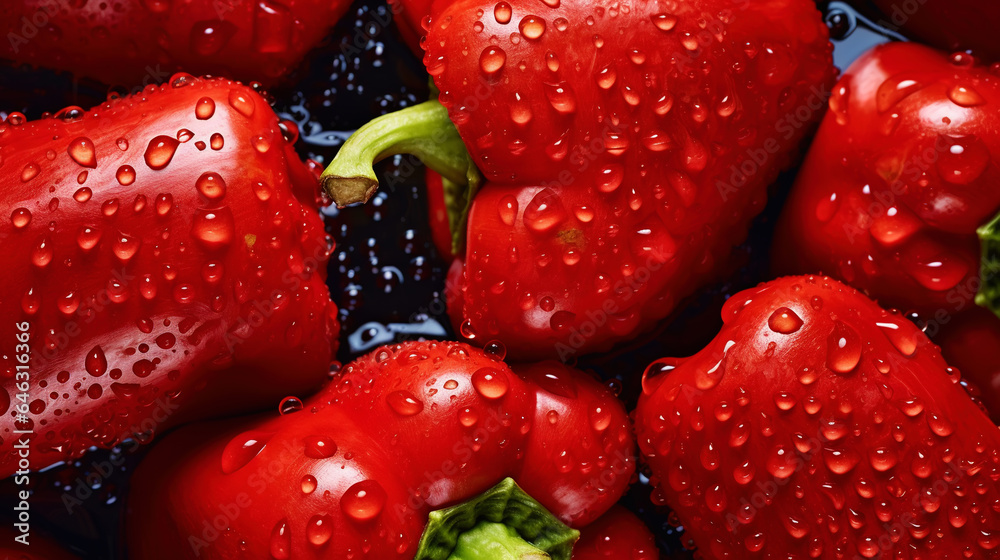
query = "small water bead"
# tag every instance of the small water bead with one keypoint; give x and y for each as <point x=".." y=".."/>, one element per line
<point x="784" y="321"/>
<point x="82" y="194"/>
<point x="261" y="144"/>
<point x="211" y="186"/>
<point x="125" y="175"/>
<point x="216" y="141"/>
<point x="81" y="150"/>
<point x="20" y="218"/>
<point x="492" y="60"/>
<point x="664" y="22"/>
<point x="840" y="461"/>
<point x="319" y="447"/>
<point x="520" y="110"/>
<point x="843" y="349"/>
<point x="242" y="102"/>
<point x="204" y="108"/>
<point x="164" y="203"/>
<point x="495" y="350"/>
<point x="308" y="484"/>
<point x="610" y="177"/>
<point x="42" y="254"/>
<point x="88" y="237"/>
<point x="561" y="97"/>
<point x="29" y="172"/>
<point x="319" y="529"/>
<point x="289" y="405"/>
<point x="883" y="458"/>
<point x="281" y="541"/>
<point x="468" y="417"/>
<point x="242" y="449"/>
<point x="404" y="403"/>
<point x="96" y="363"/>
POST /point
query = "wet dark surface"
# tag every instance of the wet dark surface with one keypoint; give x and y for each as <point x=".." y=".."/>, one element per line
<point x="385" y="274"/>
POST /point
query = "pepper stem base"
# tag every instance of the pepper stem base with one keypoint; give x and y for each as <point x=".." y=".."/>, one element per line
<point x="494" y="541"/>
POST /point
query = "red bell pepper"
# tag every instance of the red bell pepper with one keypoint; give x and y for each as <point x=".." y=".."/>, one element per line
<point x="165" y="262"/>
<point x="624" y="149"/>
<point x="401" y="432"/>
<point x="818" y="425"/>
<point x="954" y="25"/>
<point x="898" y="193"/>
<point x="617" y="535"/>
<point x="134" y="43"/>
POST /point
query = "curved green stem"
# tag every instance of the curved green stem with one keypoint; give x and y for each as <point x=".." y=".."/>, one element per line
<point x="422" y="130"/>
<point x="989" y="271"/>
<point x="495" y="541"/>
<point x="503" y="523"/>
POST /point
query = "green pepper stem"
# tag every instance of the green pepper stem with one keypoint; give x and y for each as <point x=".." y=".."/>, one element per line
<point x="494" y="541"/>
<point x="989" y="271"/>
<point x="423" y="130"/>
<point x="503" y="523"/>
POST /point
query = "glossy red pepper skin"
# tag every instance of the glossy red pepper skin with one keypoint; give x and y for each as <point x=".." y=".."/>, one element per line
<point x="814" y="409"/>
<point x="165" y="262"/>
<point x="135" y="43"/>
<point x="902" y="173"/>
<point x="971" y="343"/>
<point x="417" y="426"/>
<point x="610" y="151"/>
<point x="617" y="535"/>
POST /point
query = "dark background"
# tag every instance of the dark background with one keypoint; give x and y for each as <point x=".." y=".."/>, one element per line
<point x="385" y="270"/>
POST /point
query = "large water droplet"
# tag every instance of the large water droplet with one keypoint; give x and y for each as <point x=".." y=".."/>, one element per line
<point x="492" y="60"/>
<point x="20" y="217"/>
<point x="491" y="383"/>
<point x="96" y="363"/>
<point x="214" y="228"/>
<point x="363" y="501"/>
<point x="544" y="212"/>
<point x="204" y="108"/>
<point x="964" y="160"/>
<point x="242" y="101"/>
<point x="532" y="27"/>
<point x="502" y="13"/>
<point x="160" y="151"/>
<point x="964" y="95"/>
